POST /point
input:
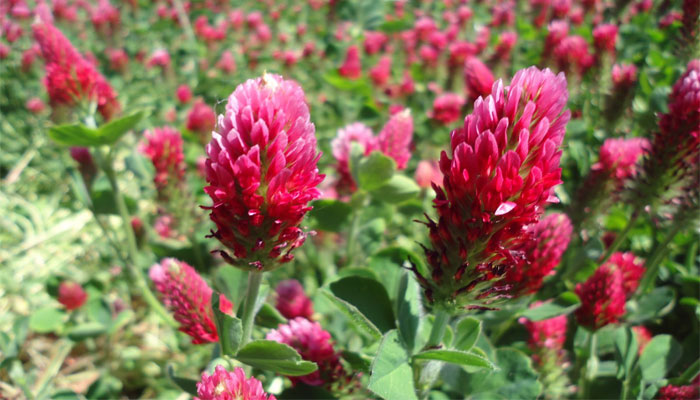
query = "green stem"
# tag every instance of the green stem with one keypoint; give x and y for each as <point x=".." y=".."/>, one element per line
<point x="439" y="327"/>
<point x="64" y="349"/>
<point x="137" y="274"/>
<point x="625" y="389"/>
<point x="621" y="237"/>
<point x="654" y="261"/>
<point x="586" y="373"/>
<point x="251" y="297"/>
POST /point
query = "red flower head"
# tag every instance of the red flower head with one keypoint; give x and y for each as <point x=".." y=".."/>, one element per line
<point x="632" y="269"/>
<point x="341" y="146"/>
<point x="407" y="86"/>
<point x="459" y="52"/>
<point x="447" y="108"/>
<point x="292" y="302"/>
<point x="381" y="72"/>
<point x="572" y="54"/>
<point x="71" y="79"/>
<point x="687" y="392"/>
<point x="618" y="157"/>
<point x="262" y="172"/>
<point x="159" y="58"/>
<point x="605" y="37"/>
<point x="505" y="45"/>
<point x="163" y="146"/>
<point x="313" y="344"/>
<point x="86" y="164"/>
<point x="478" y="78"/>
<point x="188" y="297"/>
<point x="556" y="32"/>
<point x="395" y="138"/>
<point x="225" y="385"/>
<point x="71" y="295"/>
<point x="184" y="93"/>
<point x="602" y="298"/>
<point x="548" y="241"/>
<point x="34" y="105"/>
<point x="201" y="118"/>
<point x="504" y="166"/>
<point x="118" y="59"/>
<point x="675" y="149"/>
<point x="351" y="68"/>
<point x="427" y="173"/>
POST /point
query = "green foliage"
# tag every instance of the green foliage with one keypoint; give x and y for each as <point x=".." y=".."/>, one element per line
<point x="276" y="357"/>
<point x="392" y="377"/>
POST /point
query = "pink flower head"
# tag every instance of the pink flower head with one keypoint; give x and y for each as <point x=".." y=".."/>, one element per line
<point x="643" y="336"/>
<point x="184" y="93"/>
<point x="482" y="39"/>
<point x="262" y="172"/>
<point x="118" y="59"/>
<point x="673" y="157"/>
<point x="34" y="105"/>
<point x="381" y="72"/>
<point x="395" y="138"/>
<point x="105" y="18"/>
<point x="447" y="108"/>
<point x="427" y="173"/>
<point x="668" y="19"/>
<point x="556" y="32"/>
<point x="342" y="145"/>
<point x="618" y="157"/>
<point x="429" y="55"/>
<point x="407" y="86"/>
<point x="292" y="302"/>
<point x="424" y="26"/>
<point x="201" y="118"/>
<point x="188" y="297"/>
<point x="313" y="344"/>
<point x="548" y="241"/>
<point x="225" y="385"/>
<point x="159" y="58"/>
<point x="605" y="37"/>
<point x="163" y="146"/>
<point x="164" y="226"/>
<point x="71" y="295"/>
<point x="504" y="166"/>
<point x="546" y="334"/>
<point x="602" y="298"/>
<point x="227" y="63"/>
<point x="505" y="45"/>
<point x="351" y="68"/>
<point x="374" y="42"/>
<point x="478" y="78"/>
<point x="572" y="54"/>
<point x="70" y="78"/>
<point x="459" y="52"/>
<point x="624" y="76"/>
<point x="632" y="269"/>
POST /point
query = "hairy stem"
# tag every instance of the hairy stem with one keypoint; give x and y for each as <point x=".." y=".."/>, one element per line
<point x="251" y="297"/>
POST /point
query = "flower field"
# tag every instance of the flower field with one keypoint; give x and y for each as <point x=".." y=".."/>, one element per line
<point x="338" y="199"/>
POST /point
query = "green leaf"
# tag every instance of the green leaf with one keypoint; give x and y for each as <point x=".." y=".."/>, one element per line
<point x="116" y="128"/>
<point x="230" y="329"/>
<point x="392" y="376"/>
<point x="456" y="357"/>
<point x="98" y="310"/>
<point x="515" y="378"/>
<point x="370" y="298"/>
<point x="374" y="171"/>
<point x="409" y="310"/>
<point x="565" y="303"/>
<point x="74" y="135"/>
<point x="468" y="331"/>
<point x="658" y="357"/>
<point x="273" y="356"/>
<point x="103" y="199"/>
<point x="330" y="215"/>
<point x="269" y="317"/>
<point x="650" y="306"/>
<point x="397" y="190"/>
<point x="357" y="361"/>
<point x="357" y="319"/>
<point x="46" y="319"/>
<point x="395" y="26"/>
<point x="306" y="392"/>
<point x="86" y="331"/>
<point x="187" y="385"/>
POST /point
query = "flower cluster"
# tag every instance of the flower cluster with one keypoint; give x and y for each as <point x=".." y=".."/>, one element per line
<point x="70" y="78"/>
<point x="71" y="295"/>
<point x="262" y="173"/>
<point x="313" y="344"/>
<point x="188" y="297"/>
<point x="226" y="385"/>
<point x="542" y="252"/>
<point x="602" y="298"/>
